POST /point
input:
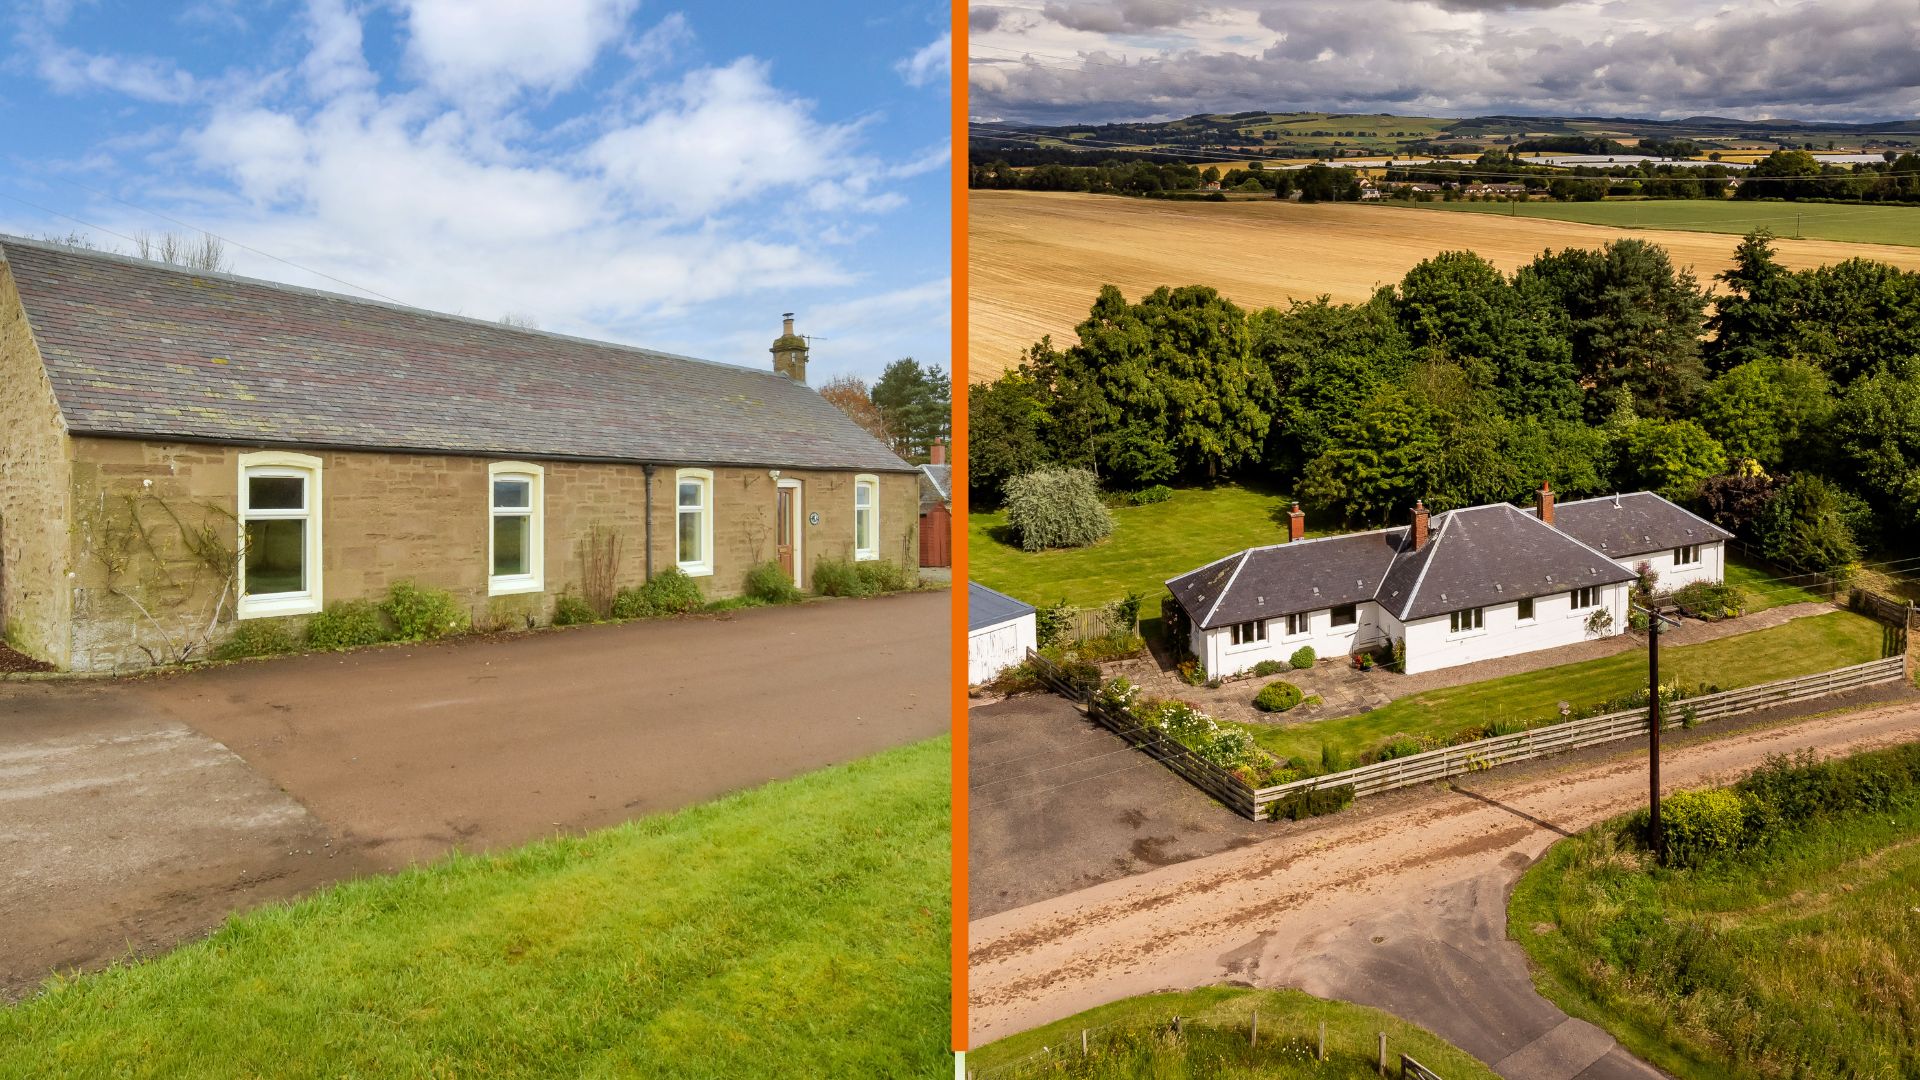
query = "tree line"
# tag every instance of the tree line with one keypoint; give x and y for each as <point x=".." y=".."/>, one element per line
<point x="1788" y="404"/>
<point x="908" y="407"/>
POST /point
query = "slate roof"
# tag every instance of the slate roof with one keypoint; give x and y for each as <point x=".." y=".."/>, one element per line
<point x="1474" y="556"/>
<point x="1306" y="575"/>
<point x="936" y="486"/>
<point x="1481" y="555"/>
<point x="988" y="608"/>
<point x="144" y="350"/>
<point x="1639" y="523"/>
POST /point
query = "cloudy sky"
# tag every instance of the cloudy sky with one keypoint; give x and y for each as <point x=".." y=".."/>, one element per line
<point x="1087" y="61"/>
<point x="673" y="177"/>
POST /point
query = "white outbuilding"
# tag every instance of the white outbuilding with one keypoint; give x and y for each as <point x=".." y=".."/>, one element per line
<point x="1000" y="630"/>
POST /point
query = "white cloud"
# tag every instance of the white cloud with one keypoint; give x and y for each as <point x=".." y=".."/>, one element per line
<point x="71" y="71"/>
<point x="930" y="63"/>
<point x="490" y="49"/>
<point x="723" y="135"/>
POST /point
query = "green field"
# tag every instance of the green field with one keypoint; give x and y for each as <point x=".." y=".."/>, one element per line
<point x="1796" y="959"/>
<point x="797" y="929"/>
<point x="1131" y="1038"/>
<point x="1810" y="221"/>
<point x="1801" y="647"/>
<point x="1149" y="545"/>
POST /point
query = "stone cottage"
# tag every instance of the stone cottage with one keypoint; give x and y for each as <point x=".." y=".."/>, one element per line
<point x="185" y="450"/>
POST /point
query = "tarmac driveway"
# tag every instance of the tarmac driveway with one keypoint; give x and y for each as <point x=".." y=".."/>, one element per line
<point x="138" y="812"/>
<point x="1055" y="803"/>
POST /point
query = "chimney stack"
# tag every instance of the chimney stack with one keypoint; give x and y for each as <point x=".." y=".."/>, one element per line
<point x="790" y="351"/>
<point x="1546" y="502"/>
<point x="1419" y="524"/>
<point x="937" y="453"/>
<point x="1296" y="523"/>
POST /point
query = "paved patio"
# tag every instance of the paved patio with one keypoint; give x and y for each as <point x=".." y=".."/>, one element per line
<point x="1344" y="691"/>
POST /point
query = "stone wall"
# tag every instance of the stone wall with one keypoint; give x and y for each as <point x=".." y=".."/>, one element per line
<point x="34" y="461"/>
<point x="387" y="517"/>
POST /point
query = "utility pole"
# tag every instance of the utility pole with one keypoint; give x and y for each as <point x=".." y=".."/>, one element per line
<point x="1655" y="622"/>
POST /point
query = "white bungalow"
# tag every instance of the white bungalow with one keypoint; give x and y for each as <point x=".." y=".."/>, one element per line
<point x="1469" y="584"/>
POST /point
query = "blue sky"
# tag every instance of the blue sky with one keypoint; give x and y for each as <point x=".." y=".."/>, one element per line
<point x="668" y="176"/>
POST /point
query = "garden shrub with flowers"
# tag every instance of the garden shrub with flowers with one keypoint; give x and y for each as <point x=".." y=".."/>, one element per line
<point x="1228" y="746"/>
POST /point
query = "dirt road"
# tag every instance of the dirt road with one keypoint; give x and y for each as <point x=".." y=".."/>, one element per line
<point x="1403" y="909"/>
<point x="1037" y="259"/>
<point x="137" y="813"/>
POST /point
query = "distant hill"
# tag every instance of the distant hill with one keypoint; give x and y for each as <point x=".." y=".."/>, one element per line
<point x="1283" y="135"/>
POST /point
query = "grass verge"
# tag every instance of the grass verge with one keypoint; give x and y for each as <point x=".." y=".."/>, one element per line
<point x="797" y="929"/>
<point x="1802" y="647"/>
<point x="1132" y="1038"/>
<point x="1796" y="958"/>
<point x="1149" y="544"/>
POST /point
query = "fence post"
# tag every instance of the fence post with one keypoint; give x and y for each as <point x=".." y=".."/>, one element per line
<point x="1083" y="1042"/>
<point x="1383" y="1053"/>
<point x="1323" y="1040"/>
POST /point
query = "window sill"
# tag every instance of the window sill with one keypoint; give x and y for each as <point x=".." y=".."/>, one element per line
<point x="270" y="607"/>
<point x="865" y="556"/>
<point x="695" y="569"/>
<point x="514" y="586"/>
<point x="1465" y="634"/>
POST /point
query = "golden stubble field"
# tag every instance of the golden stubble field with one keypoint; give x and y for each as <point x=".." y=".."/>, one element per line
<point x="1036" y="259"/>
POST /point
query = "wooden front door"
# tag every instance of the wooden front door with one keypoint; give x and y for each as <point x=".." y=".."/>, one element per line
<point x="783" y="516"/>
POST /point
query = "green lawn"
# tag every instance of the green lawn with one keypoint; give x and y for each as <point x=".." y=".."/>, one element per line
<point x="1762" y="593"/>
<point x="1132" y="1041"/>
<point x="1149" y="544"/>
<point x="1797" y="959"/>
<point x="797" y="929"/>
<point x="1801" y="647"/>
<point x="1812" y="221"/>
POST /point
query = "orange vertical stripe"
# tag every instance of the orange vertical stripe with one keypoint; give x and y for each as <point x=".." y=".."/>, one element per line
<point x="959" y="368"/>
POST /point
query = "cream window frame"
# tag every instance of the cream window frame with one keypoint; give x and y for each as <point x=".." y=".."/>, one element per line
<point x="703" y="566"/>
<point x="534" y="580"/>
<point x="272" y="463"/>
<point x="870" y="484"/>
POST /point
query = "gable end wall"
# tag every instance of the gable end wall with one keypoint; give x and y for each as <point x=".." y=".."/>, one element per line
<point x="35" y="463"/>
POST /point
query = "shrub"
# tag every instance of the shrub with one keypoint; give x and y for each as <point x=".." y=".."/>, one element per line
<point x="1398" y="745"/>
<point x="1124" y="614"/>
<point x="1269" y="667"/>
<point x="1700" y="825"/>
<point x="571" y="610"/>
<point x="257" y="637"/>
<point x="1158" y="493"/>
<point x="633" y="603"/>
<point x="1710" y="600"/>
<point x="1302" y="658"/>
<point x="346" y="624"/>
<point x="672" y="592"/>
<point x="1277" y="697"/>
<point x="422" y="614"/>
<point x="1600" y="623"/>
<point x="1053" y="624"/>
<point x="837" y="577"/>
<point x="1056" y="508"/>
<point x="1300" y="805"/>
<point x="1192" y="673"/>
<point x="1017" y="679"/>
<point x="768" y="582"/>
<point x="1116" y="645"/>
<point x="880" y="576"/>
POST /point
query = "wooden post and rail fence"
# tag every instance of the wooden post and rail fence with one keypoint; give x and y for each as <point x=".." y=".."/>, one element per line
<point x="1482" y="754"/>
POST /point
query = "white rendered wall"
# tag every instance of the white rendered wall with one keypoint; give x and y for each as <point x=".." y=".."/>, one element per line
<point x="993" y="649"/>
<point x="1431" y="644"/>
<point x="1711" y="567"/>
<point x="1222" y="658"/>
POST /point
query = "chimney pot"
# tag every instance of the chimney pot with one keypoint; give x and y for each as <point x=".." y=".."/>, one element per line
<point x="1546" y="502"/>
<point x="1419" y="524"/>
<point x="1296" y="523"/>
